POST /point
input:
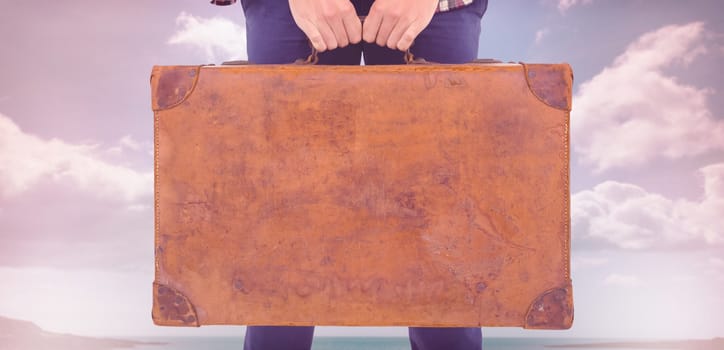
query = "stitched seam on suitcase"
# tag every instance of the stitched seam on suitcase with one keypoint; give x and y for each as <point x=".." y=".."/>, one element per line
<point x="567" y="197"/>
<point x="156" y="213"/>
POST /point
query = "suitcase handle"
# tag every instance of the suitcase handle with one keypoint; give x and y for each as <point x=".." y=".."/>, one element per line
<point x="313" y="57"/>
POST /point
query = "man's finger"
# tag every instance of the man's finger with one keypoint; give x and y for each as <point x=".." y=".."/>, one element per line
<point x="330" y="40"/>
<point x="353" y="27"/>
<point x="315" y="37"/>
<point x="397" y="33"/>
<point x="340" y="33"/>
<point x="371" y="26"/>
<point x="388" y="23"/>
<point x="410" y="34"/>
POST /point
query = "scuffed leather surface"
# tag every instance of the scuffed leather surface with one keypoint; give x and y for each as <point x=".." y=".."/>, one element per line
<point x="428" y="195"/>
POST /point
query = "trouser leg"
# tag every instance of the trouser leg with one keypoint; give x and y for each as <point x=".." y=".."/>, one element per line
<point x="278" y="338"/>
<point x="422" y="338"/>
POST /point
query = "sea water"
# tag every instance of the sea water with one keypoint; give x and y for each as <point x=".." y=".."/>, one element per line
<point x="374" y="343"/>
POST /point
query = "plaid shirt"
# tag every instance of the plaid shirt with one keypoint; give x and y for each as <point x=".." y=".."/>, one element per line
<point x="443" y="6"/>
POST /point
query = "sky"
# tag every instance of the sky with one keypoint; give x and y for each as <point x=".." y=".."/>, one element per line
<point x="647" y="160"/>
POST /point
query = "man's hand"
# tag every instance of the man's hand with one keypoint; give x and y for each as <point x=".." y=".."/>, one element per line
<point x="396" y="23"/>
<point x="327" y="23"/>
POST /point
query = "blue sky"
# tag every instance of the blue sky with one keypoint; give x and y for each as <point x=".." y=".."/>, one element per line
<point x="76" y="229"/>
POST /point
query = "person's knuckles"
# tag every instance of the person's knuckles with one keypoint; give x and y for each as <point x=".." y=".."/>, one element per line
<point x="388" y="11"/>
<point x="329" y="15"/>
<point x="403" y="45"/>
<point x="407" y="37"/>
<point x="317" y="42"/>
<point x="369" y="34"/>
<point x="392" y="43"/>
<point x="332" y="43"/>
<point x="387" y="36"/>
<point x="349" y="11"/>
<point x="381" y="7"/>
<point x="336" y="12"/>
<point x="381" y="40"/>
<point x="329" y="41"/>
<point x="340" y="34"/>
<point x="355" y="37"/>
<point x="394" y="14"/>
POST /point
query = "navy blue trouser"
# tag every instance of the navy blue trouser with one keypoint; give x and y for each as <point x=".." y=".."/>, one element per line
<point x="273" y="37"/>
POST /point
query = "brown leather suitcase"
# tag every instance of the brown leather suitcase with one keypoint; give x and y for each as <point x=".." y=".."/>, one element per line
<point x="407" y="195"/>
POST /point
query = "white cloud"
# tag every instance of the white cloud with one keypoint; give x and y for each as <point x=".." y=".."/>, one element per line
<point x="717" y="262"/>
<point x="620" y="280"/>
<point x="629" y="217"/>
<point x="218" y="38"/>
<point x="127" y="142"/>
<point x="26" y="160"/>
<point x="565" y="5"/>
<point x="540" y="34"/>
<point x="633" y="112"/>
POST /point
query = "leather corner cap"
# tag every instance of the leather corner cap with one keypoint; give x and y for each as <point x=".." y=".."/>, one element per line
<point x="172" y="85"/>
<point x="551" y="310"/>
<point x="551" y="83"/>
<point x="171" y="308"/>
